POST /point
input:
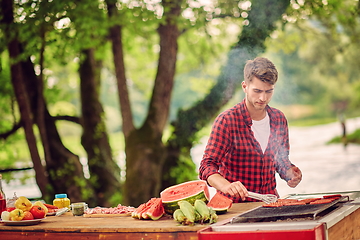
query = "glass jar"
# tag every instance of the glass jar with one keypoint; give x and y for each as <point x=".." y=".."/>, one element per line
<point x="78" y="209"/>
<point x="61" y="200"/>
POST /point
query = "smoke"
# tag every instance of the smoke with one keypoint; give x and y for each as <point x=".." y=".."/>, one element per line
<point x="233" y="71"/>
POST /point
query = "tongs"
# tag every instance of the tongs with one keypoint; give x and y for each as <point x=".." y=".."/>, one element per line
<point x="266" y="198"/>
<point x="61" y="211"/>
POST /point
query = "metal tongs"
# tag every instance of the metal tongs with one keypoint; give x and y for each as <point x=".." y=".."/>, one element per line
<point x="61" y="211"/>
<point x="266" y="198"/>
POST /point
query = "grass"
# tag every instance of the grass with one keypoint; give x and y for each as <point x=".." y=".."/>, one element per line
<point x="350" y="138"/>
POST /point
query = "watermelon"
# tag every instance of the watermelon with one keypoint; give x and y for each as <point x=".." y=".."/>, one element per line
<point x="189" y="191"/>
<point x="155" y="211"/>
<point x="152" y="209"/>
<point x="138" y="211"/>
<point x="220" y="203"/>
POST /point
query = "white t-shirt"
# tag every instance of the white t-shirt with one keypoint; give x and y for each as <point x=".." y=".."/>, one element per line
<point x="261" y="131"/>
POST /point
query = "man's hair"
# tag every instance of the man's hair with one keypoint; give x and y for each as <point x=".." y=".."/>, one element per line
<point x="262" y="68"/>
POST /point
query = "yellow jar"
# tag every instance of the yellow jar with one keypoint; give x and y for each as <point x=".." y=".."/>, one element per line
<point x="61" y="200"/>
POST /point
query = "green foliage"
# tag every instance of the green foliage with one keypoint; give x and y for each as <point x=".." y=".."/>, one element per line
<point x="185" y="169"/>
<point x="353" y="137"/>
<point x="316" y="55"/>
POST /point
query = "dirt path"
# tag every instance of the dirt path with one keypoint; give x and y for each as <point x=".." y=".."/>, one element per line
<point x="326" y="168"/>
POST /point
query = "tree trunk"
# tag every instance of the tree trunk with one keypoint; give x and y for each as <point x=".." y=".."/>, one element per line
<point x="64" y="170"/>
<point x="17" y="79"/>
<point x="145" y="152"/>
<point x="262" y="17"/>
<point x="105" y="173"/>
<point x="40" y="112"/>
<point x="117" y="49"/>
<point x="144" y="159"/>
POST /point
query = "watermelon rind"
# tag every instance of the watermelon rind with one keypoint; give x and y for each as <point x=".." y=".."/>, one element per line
<point x="172" y="205"/>
<point x="156" y="211"/>
<point x="220" y="211"/>
<point x="220" y="203"/>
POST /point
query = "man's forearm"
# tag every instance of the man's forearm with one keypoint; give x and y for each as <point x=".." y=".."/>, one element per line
<point x="217" y="181"/>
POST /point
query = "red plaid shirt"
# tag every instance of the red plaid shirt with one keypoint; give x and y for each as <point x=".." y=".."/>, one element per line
<point x="233" y="151"/>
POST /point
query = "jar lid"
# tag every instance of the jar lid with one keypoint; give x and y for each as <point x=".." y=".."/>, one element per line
<point x="62" y="195"/>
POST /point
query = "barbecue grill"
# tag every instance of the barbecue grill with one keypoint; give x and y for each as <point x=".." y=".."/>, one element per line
<point x="310" y="222"/>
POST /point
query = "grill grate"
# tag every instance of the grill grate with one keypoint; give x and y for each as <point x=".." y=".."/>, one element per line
<point x="308" y="210"/>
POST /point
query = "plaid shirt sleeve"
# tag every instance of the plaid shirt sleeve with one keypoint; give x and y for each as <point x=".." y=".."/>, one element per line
<point x="216" y="148"/>
<point x="282" y="162"/>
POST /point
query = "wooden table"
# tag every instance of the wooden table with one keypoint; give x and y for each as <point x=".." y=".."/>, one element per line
<point x="77" y="228"/>
<point x="67" y="227"/>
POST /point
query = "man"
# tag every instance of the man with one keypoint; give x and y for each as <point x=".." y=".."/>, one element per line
<point x="249" y="142"/>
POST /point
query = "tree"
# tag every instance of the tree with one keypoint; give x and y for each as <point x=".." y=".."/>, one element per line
<point x="149" y="159"/>
<point x="145" y="151"/>
<point x="262" y="20"/>
<point x="64" y="172"/>
<point x="105" y="173"/>
<point x="21" y="94"/>
<point x="319" y="44"/>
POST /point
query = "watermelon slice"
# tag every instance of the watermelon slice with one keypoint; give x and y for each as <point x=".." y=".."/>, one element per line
<point x="220" y="203"/>
<point x="189" y="191"/>
<point x="155" y="211"/>
<point x="152" y="209"/>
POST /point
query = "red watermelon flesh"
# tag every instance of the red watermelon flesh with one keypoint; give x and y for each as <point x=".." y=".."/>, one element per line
<point x="184" y="190"/>
<point x="138" y="213"/>
<point x="189" y="191"/>
<point x="138" y="210"/>
<point x="220" y="203"/>
<point x="155" y="210"/>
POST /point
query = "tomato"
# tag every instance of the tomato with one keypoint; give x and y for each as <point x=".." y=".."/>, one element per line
<point x="38" y="212"/>
<point x="28" y="216"/>
<point x="38" y="203"/>
<point x="9" y="209"/>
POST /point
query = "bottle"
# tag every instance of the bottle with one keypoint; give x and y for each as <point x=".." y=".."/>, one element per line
<point x="2" y="197"/>
<point x="61" y="200"/>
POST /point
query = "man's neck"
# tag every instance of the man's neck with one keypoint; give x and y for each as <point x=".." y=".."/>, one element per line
<point x="256" y="114"/>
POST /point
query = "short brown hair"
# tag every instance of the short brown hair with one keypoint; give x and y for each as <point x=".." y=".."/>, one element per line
<point x="262" y="68"/>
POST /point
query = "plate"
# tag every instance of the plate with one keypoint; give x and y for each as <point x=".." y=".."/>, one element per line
<point x="23" y="222"/>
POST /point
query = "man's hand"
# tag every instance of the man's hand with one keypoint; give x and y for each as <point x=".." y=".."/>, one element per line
<point x="295" y="176"/>
<point x="235" y="189"/>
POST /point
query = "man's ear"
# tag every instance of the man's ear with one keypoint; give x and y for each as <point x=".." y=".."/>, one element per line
<point x="243" y="85"/>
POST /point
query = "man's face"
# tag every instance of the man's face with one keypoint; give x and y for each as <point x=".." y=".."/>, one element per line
<point x="258" y="93"/>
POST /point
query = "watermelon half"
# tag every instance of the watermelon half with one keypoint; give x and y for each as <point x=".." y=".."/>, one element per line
<point x="189" y="191"/>
<point x="220" y="203"/>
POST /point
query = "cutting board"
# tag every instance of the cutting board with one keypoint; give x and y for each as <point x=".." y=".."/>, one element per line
<point x="106" y="215"/>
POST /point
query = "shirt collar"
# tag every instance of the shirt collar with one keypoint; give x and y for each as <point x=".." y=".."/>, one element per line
<point x="246" y="115"/>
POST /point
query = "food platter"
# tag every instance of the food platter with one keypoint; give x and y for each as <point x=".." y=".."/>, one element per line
<point x="22" y="222"/>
